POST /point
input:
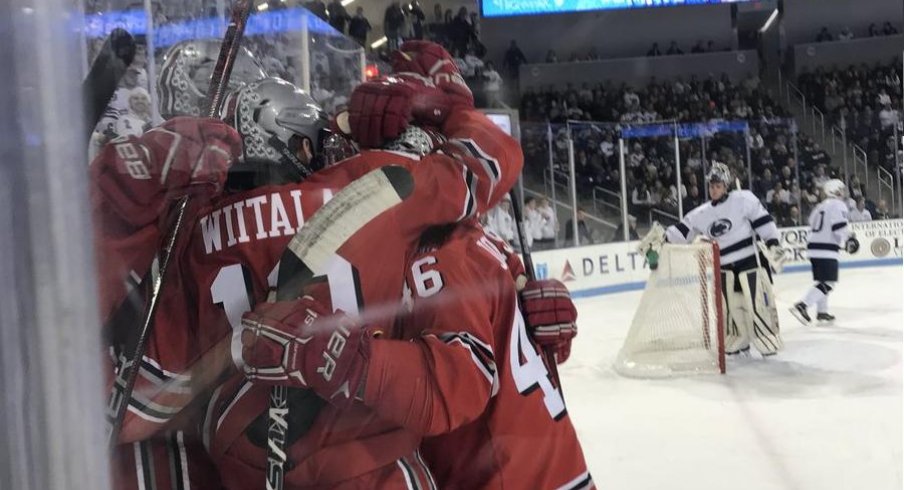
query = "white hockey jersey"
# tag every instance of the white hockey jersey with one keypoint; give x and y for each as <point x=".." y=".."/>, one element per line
<point x="729" y="222"/>
<point x="828" y="229"/>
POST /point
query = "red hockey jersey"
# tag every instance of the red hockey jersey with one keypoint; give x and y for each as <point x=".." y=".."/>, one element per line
<point x="231" y="262"/>
<point x="472" y="378"/>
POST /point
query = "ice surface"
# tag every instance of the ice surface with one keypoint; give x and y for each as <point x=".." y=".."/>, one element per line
<point x="824" y="414"/>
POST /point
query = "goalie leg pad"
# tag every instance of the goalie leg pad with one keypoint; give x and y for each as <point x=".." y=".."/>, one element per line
<point x="734" y="316"/>
<point x="760" y="299"/>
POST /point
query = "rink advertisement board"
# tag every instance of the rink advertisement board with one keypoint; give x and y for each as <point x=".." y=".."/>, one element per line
<point x="617" y="267"/>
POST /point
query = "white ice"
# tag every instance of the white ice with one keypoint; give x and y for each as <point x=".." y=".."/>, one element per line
<point x="824" y="414"/>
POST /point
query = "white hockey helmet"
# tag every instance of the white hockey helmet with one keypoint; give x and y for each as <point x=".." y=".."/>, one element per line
<point x="186" y="71"/>
<point x="834" y="188"/>
<point x="719" y="172"/>
<point x="274" y="117"/>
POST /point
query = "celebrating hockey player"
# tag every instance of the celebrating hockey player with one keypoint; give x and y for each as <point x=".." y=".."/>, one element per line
<point x="239" y="237"/>
<point x="734" y="219"/>
<point x="828" y="233"/>
<point x="460" y="368"/>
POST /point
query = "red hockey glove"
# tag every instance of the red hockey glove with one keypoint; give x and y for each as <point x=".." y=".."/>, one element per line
<point x="430" y="60"/>
<point x="302" y="344"/>
<point x="184" y="155"/>
<point x="379" y="111"/>
<point x="550" y="314"/>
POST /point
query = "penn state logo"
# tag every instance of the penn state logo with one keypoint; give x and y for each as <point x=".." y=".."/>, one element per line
<point x="719" y="228"/>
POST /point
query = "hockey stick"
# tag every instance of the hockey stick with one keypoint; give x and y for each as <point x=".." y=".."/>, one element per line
<point x="307" y="256"/>
<point x="128" y="372"/>
<point x="103" y="78"/>
<point x="549" y="354"/>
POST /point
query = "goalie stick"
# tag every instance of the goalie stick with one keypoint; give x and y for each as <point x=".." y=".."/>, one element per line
<point x="532" y="275"/>
<point x="103" y="78"/>
<point x="128" y="371"/>
<point x="308" y="255"/>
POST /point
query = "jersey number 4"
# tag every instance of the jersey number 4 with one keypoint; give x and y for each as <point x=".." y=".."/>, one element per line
<point x="527" y="367"/>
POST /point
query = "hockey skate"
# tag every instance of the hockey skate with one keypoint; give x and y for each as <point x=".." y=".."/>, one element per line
<point x="825" y="317"/>
<point x="799" y="310"/>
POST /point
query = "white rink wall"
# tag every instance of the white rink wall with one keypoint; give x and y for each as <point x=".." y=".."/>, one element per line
<point x="615" y="267"/>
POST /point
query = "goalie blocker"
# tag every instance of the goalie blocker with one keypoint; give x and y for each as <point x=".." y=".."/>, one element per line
<point x="735" y="220"/>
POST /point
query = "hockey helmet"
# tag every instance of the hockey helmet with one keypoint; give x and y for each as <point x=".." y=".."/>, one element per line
<point x="719" y="172"/>
<point x="834" y="188"/>
<point x="415" y="140"/>
<point x="186" y="71"/>
<point x="274" y="117"/>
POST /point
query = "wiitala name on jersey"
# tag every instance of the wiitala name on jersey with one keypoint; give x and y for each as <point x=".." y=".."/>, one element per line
<point x="256" y="218"/>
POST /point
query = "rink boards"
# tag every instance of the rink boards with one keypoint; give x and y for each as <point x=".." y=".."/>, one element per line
<point x="615" y="267"/>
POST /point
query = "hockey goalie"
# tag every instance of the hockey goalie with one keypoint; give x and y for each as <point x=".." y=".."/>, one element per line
<point x="710" y="290"/>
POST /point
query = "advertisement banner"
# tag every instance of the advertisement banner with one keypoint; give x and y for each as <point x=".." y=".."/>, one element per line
<point x="617" y="267"/>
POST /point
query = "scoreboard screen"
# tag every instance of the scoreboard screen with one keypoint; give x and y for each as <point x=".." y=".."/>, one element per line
<point x="505" y="8"/>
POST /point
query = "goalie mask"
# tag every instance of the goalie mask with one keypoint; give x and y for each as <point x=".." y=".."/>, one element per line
<point x="186" y="71"/>
<point x="719" y="172"/>
<point x="274" y="118"/>
<point x="834" y="188"/>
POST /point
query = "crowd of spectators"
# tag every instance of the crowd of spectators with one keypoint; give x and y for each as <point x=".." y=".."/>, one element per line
<point x="846" y="34"/>
<point x="786" y="182"/>
<point x="867" y="100"/>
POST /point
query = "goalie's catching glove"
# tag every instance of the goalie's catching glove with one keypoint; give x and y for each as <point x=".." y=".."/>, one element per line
<point x="302" y="344"/>
<point x="550" y="315"/>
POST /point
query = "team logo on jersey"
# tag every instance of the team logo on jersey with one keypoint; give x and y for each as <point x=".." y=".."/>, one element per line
<point x="567" y="272"/>
<point x="719" y="228"/>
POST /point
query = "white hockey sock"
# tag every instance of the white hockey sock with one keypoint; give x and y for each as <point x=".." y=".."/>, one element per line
<point x="814" y="297"/>
<point x="823" y="305"/>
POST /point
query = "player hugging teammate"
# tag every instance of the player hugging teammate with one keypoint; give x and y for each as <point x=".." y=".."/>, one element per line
<point x="734" y="219"/>
<point x="429" y="354"/>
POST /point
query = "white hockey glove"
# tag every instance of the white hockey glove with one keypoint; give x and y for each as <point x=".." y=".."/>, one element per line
<point x="652" y="244"/>
<point x="775" y="254"/>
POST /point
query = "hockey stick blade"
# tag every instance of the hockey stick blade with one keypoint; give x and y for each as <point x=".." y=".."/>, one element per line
<point x="103" y="78"/>
<point x="310" y="250"/>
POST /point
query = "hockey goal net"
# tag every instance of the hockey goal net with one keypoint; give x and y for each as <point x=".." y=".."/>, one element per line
<point x="677" y="329"/>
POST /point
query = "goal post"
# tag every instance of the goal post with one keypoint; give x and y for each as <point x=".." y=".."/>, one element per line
<point x="678" y="328"/>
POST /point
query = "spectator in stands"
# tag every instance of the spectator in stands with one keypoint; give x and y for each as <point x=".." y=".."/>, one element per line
<point x="845" y="34"/>
<point x="882" y="210"/>
<point x="888" y="29"/>
<point x="674" y="49"/>
<point x="338" y="16"/>
<point x="393" y="20"/>
<point x="692" y="200"/>
<point x="641" y="199"/>
<point x="874" y="30"/>
<point x="512" y="61"/>
<point x="549" y="225"/>
<point x="698" y="48"/>
<point x="823" y="35"/>
<point x="500" y="221"/>
<point x="618" y="236"/>
<point x="585" y="235"/>
<point x="793" y="218"/>
<point x="592" y="55"/>
<point x="551" y="56"/>
<point x="417" y="18"/>
<point x="859" y="213"/>
<point x="318" y="8"/>
<point x="711" y="46"/>
<point x="777" y="208"/>
<point x="492" y="84"/>
<point x="460" y="33"/>
<point x="654" y="51"/>
<point x="780" y="193"/>
<point x="359" y="27"/>
<point x="533" y="222"/>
